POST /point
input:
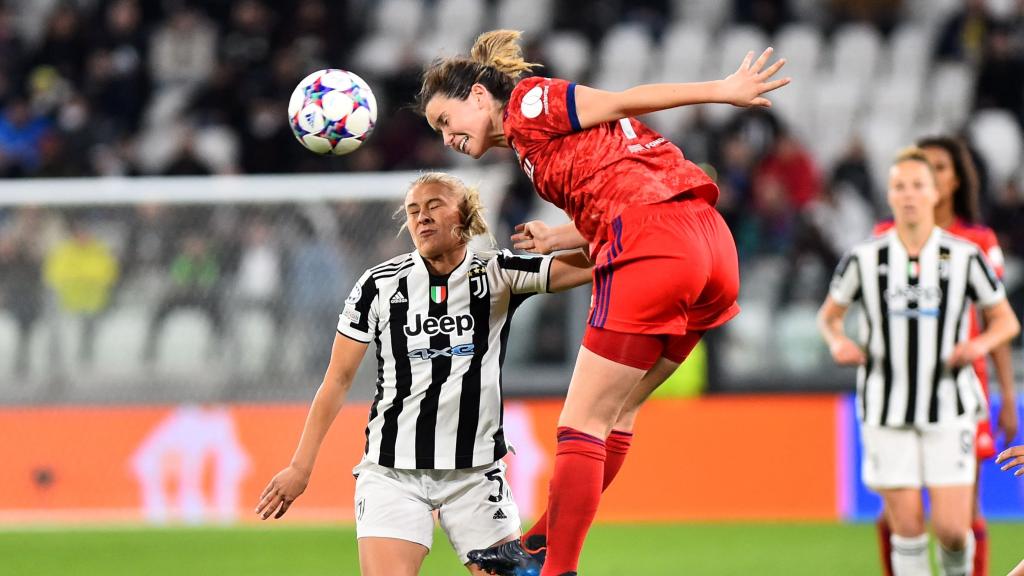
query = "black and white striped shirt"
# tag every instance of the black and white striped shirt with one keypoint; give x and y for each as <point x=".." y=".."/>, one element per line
<point x="440" y="346"/>
<point x="915" y="311"/>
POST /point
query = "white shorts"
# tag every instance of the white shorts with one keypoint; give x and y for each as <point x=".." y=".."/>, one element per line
<point x="475" y="505"/>
<point x="915" y="457"/>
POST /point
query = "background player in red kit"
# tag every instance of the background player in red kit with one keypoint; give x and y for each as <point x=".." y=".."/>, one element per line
<point x="957" y="212"/>
<point x="665" y="262"/>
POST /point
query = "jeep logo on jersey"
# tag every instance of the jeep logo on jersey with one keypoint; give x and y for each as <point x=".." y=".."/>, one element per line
<point x="445" y="324"/>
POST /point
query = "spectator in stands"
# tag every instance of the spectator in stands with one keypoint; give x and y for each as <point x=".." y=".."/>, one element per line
<point x="830" y="225"/>
<point x="65" y="45"/>
<point x="81" y="272"/>
<point x="964" y="34"/>
<point x="194" y="283"/>
<point x="20" y="294"/>
<point x="13" y="49"/>
<point x="257" y="287"/>
<point x="852" y="168"/>
<point x="315" y="269"/>
<point x="21" y="134"/>
<point x="118" y="80"/>
<point x="1001" y="78"/>
<point x="785" y="181"/>
<point x="183" y="51"/>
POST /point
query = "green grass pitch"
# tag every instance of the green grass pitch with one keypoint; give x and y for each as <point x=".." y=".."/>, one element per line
<point x="612" y="550"/>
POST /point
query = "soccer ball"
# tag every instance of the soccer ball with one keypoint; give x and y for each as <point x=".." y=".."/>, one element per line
<point x="332" y="111"/>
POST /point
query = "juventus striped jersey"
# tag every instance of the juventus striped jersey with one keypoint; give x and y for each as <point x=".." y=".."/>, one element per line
<point x="440" y="345"/>
<point x="915" y="312"/>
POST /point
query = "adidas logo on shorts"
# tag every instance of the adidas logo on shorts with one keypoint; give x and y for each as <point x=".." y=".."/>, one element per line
<point x="399" y="298"/>
<point x="499" y="515"/>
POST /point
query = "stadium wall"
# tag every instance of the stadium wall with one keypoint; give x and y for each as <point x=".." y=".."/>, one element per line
<point x="759" y="458"/>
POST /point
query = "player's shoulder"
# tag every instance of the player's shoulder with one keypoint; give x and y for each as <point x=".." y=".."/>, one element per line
<point x="390" y="268"/>
<point x="954" y="241"/>
<point x="874" y="243"/>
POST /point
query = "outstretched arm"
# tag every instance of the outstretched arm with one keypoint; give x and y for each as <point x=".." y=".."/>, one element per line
<point x="291" y="482"/>
<point x="537" y="237"/>
<point x="744" y="88"/>
<point x="570" y="270"/>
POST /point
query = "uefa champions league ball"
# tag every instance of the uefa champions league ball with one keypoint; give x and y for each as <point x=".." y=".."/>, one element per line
<point x="332" y="111"/>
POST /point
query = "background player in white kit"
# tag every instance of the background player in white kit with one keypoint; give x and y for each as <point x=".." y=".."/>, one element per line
<point x="918" y="398"/>
<point x="439" y="317"/>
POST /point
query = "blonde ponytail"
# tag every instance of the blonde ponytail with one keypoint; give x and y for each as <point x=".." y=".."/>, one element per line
<point x="499" y="49"/>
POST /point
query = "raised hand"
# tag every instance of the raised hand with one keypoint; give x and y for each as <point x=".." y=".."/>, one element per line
<point x="745" y="86"/>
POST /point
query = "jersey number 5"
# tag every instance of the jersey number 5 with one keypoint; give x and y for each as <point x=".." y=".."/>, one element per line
<point x="495" y="476"/>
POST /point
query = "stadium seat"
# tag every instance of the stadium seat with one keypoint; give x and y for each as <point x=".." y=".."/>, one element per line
<point x="951" y="89"/>
<point x="399" y="18"/>
<point x="733" y="44"/>
<point x="834" y="109"/>
<point x="120" y="338"/>
<point x="801" y="46"/>
<point x="567" y="54"/>
<point x="910" y="52"/>
<point x="533" y="16"/>
<point x="882" y="139"/>
<point x="8" y="346"/>
<point x="896" y="99"/>
<point x="381" y="54"/>
<point x="709" y="14"/>
<point x="183" y="345"/>
<point x="790" y="104"/>
<point x="996" y="135"/>
<point x="797" y="326"/>
<point x="252" y="336"/>
<point x="623" y="57"/>
<point x="930" y="13"/>
<point x="684" y="50"/>
<point x="855" y="52"/>
<point x="459" y="18"/>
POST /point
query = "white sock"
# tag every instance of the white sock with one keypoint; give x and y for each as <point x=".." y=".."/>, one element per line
<point x="958" y="562"/>
<point x="910" y="555"/>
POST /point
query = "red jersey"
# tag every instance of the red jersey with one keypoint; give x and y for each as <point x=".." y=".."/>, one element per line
<point x="984" y="238"/>
<point x="596" y="173"/>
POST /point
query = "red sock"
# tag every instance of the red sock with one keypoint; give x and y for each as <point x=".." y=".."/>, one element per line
<point x="573" y="497"/>
<point x="885" y="545"/>
<point x="617" y="446"/>
<point x="980" y="529"/>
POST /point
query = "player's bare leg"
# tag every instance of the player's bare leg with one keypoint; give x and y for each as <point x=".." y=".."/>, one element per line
<point x="597" y="393"/>
<point x="952" y="511"/>
<point x="390" y="557"/>
<point x="654" y="377"/>
<point x="905" y="513"/>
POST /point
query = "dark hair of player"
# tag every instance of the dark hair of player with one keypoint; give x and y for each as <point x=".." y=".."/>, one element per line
<point x="965" y="197"/>
<point x="495" y="61"/>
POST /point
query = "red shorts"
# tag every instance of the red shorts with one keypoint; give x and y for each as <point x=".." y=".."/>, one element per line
<point x="666" y="269"/>
<point x="984" y="441"/>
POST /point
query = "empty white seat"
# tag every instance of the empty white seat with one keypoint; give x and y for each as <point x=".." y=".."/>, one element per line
<point x="184" y="343"/>
<point x="120" y="338"/>
<point x="399" y="18"/>
<point x="733" y="45"/>
<point x="996" y="135"/>
<point x="623" y="57"/>
<point x="910" y="51"/>
<point x="567" y="55"/>
<point x="708" y="13"/>
<point x="882" y="139"/>
<point x="897" y="99"/>
<point x="834" y="108"/>
<point x="684" y="49"/>
<point x="855" y="52"/>
<point x="951" y="90"/>
<point x="532" y="16"/>
<point x="462" y="19"/>
<point x="801" y="46"/>
<point x="380" y="54"/>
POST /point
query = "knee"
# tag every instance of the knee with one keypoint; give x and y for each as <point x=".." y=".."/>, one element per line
<point x="951" y="537"/>
<point x="907" y="525"/>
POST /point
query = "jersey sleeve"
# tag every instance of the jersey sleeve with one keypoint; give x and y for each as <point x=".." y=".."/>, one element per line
<point x="358" y="320"/>
<point x="983" y="284"/>
<point x="989" y="245"/>
<point x="542" y="108"/>
<point x="846" y="282"/>
<point x="524" y="274"/>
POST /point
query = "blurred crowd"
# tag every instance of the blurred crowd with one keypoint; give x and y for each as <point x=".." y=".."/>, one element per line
<point x="173" y="87"/>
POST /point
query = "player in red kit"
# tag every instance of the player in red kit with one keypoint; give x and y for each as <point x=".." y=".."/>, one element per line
<point x="665" y="262"/>
<point x="957" y="213"/>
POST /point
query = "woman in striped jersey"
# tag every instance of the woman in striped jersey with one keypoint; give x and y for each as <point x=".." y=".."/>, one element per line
<point x="957" y="212"/>
<point x="439" y="317"/>
<point x="918" y="396"/>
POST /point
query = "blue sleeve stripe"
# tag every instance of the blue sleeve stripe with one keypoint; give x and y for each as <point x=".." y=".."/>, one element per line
<point x="570" y="103"/>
